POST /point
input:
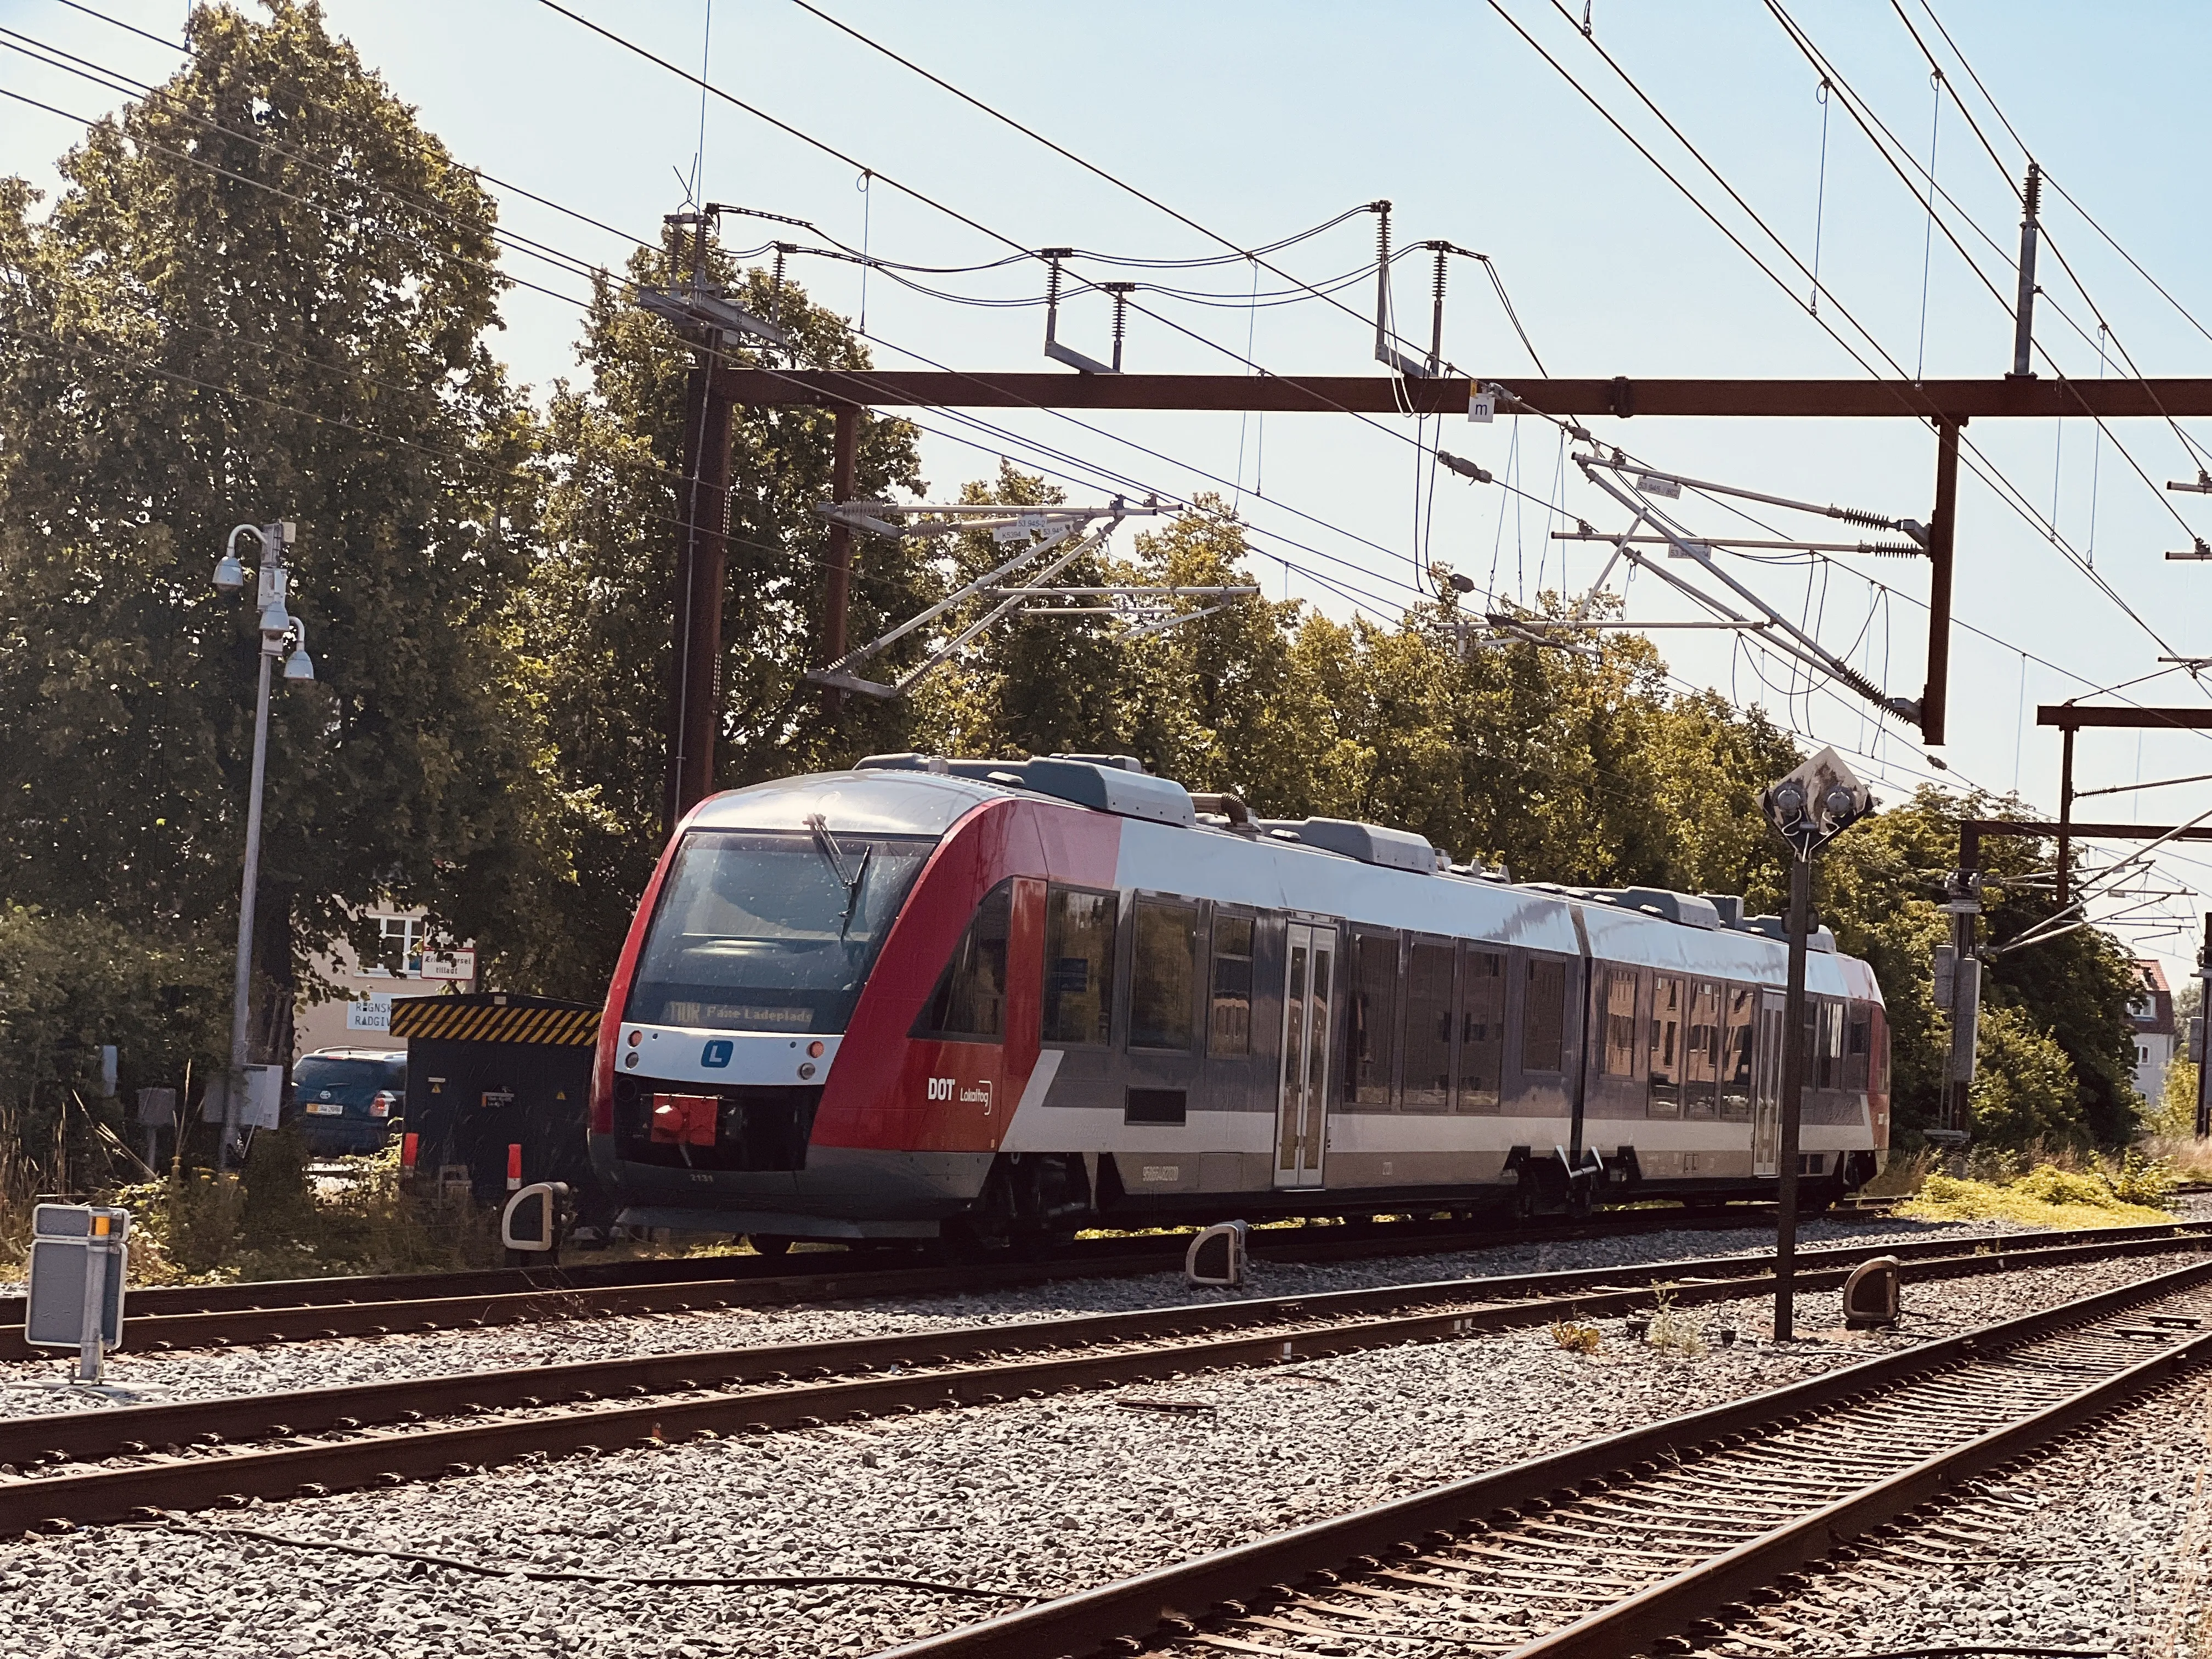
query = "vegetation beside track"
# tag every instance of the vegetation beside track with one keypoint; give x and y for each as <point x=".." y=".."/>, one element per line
<point x="2137" y="1193"/>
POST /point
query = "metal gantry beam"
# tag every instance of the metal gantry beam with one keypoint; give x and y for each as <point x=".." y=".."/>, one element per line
<point x="1934" y="401"/>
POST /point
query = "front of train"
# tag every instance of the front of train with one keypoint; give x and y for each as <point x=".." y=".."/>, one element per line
<point x="756" y="1028"/>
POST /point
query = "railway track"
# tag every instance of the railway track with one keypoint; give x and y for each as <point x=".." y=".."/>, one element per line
<point x="135" y="1461"/>
<point x="1633" y="1543"/>
<point x="171" y="1318"/>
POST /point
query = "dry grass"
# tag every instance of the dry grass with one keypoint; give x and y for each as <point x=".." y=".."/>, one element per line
<point x="1575" y="1339"/>
<point x="1901" y="1175"/>
<point x="2049" y="1196"/>
<point x="1672" y="1330"/>
<point x="2190" y="1158"/>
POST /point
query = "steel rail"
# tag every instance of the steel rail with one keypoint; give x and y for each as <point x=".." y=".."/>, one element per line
<point x="166" y="1318"/>
<point x="77" y="1437"/>
<point x="725" y="1390"/>
<point x="1132" y="1614"/>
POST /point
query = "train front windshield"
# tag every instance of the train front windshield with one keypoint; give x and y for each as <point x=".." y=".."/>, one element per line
<point x="761" y="931"/>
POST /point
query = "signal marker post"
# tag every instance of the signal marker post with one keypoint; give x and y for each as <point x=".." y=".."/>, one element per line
<point x="78" y="1262"/>
<point x="1808" y="809"/>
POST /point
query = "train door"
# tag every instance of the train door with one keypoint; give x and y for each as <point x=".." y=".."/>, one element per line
<point x="1302" y="1097"/>
<point x="1766" y="1088"/>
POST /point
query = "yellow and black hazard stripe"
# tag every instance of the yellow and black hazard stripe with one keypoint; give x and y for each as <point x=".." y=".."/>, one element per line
<point x="464" y="1019"/>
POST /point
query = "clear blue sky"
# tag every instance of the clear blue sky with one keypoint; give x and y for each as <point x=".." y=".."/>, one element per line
<point x="1257" y="120"/>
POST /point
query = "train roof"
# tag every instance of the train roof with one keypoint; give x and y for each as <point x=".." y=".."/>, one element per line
<point x="1209" y="840"/>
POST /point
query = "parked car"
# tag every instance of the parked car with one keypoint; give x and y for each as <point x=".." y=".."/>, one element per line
<point x="346" y="1100"/>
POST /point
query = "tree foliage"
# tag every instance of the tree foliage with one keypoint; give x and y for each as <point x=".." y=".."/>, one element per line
<point x="598" y="605"/>
<point x="264" y="293"/>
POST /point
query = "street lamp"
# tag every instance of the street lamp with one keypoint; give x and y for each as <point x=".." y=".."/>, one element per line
<point x="1808" y="809"/>
<point x="283" y="635"/>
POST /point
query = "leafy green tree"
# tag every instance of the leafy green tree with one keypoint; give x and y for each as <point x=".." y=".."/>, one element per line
<point x="69" y="984"/>
<point x="1027" y="685"/>
<point x="263" y="293"/>
<point x="599" y="609"/>
<point x="2024" y="1089"/>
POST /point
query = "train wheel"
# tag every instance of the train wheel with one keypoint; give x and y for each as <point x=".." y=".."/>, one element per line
<point x="1526" y="1206"/>
<point x="769" y="1243"/>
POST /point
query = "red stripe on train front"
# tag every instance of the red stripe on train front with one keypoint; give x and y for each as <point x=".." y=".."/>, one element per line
<point x="888" y="1090"/>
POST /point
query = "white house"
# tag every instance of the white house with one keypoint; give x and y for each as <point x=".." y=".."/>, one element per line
<point x="2152" y="1011"/>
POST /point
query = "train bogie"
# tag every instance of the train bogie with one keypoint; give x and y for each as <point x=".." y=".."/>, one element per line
<point x="994" y="998"/>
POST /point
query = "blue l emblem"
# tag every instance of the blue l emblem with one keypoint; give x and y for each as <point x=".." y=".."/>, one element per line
<point x="717" y="1053"/>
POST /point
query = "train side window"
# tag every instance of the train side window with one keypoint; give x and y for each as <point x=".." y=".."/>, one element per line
<point x="1738" y="1037"/>
<point x="970" y="1003"/>
<point x="1229" y="1028"/>
<point x="1163" y="976"/>
<point x="1374" y="1000"/>
<point x="1832" y="1044"/>
<point x="1667" y="1011"/>
<point x="1079" y="965"/>
<point x="1481" y="1031"/>
<point x="1858" y="1038"/>
<point x="1428" y="1027"/>
<point x="1701" y="1053"/>
<point x="1618" y="1057"/>
<point x="1544" y="1017"/>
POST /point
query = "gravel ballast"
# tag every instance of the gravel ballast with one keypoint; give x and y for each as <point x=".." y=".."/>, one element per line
<point x="1037" y="1497"/>
<point x="2105" y="1545"/>
<point x="134" y="1378"/>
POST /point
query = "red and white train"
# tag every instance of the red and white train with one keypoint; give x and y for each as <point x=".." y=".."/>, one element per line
<point x="990" y="998"/>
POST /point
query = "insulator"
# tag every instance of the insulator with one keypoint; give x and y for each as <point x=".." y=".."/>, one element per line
<point x="1893" y="549"/>
<point x="1860" y="515"/>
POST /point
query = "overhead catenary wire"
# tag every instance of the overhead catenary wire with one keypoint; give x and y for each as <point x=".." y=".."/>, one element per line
<point x="675" y="476"/>
<point x="1979" y="465"/>
<point x="1533" y="498"/>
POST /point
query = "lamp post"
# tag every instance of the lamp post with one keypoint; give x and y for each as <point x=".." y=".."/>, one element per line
<point x="283" y="635"/>
<point x="1808" y="809"/>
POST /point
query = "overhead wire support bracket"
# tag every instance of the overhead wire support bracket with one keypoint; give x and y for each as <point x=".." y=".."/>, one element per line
<point x="1880" y="549"/>
<point x="1068" y="355"/>
<point x="1671" y="485"/>
<point x="1783" y="633"/>
<point x="1386" y="352"/>
<point x="2199" y="551"/>
<point x="1015" y="586"/>
<point x="1598" y="623"/>
<point x="1005" y="520"/>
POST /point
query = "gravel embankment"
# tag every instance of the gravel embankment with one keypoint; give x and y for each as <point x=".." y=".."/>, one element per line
<point x="1038" y="1497"/>
<point x="140" y="1378"/>
<point x="2103" y="1547"/>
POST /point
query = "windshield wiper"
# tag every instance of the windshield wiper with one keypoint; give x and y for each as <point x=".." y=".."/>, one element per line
<point x="834" y="856"/>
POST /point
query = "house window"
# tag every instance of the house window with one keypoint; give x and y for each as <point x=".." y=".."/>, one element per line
<point x="399" y="944"/>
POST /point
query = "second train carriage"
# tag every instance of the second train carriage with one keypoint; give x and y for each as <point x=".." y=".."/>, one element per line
<point x="984" y="998"/>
